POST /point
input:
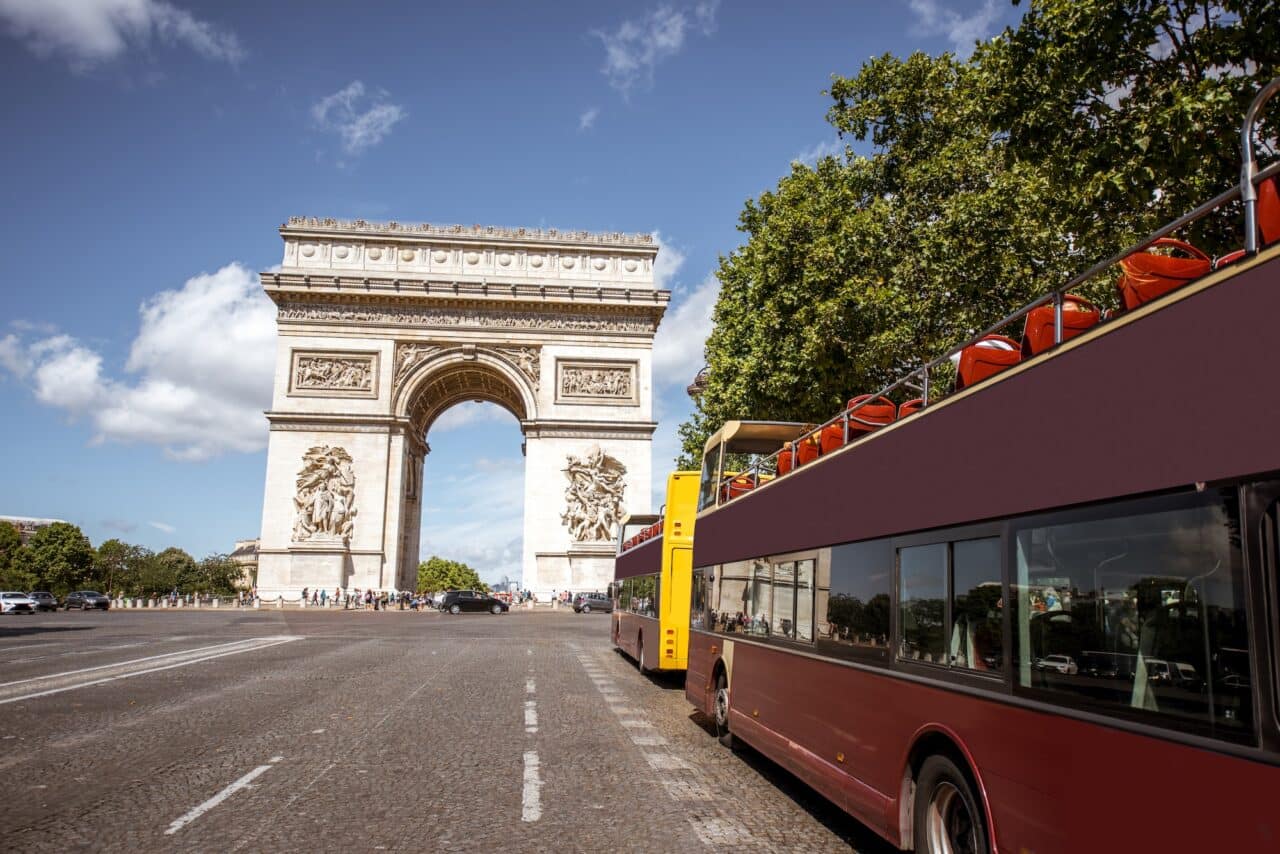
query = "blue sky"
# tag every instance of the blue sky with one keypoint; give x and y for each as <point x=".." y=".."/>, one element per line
<point x="152" y="149"/>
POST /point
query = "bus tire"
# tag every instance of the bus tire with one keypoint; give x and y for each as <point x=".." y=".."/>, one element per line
<point x="947" y="816"/>
<point x="640" y="654"/>
<point x="720" y="712"/>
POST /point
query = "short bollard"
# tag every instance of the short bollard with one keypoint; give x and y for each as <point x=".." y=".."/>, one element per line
<point x="215" y="601"/>
<point x="257" y="603"/>
<point x="280" y="601"/>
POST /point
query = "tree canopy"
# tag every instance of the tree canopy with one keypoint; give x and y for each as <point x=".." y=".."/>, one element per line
<point x="437" y="573"/>
<point x="989" y="181"/>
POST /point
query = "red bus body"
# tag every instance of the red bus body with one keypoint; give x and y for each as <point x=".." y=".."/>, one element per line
<point x="1167" y="399"/>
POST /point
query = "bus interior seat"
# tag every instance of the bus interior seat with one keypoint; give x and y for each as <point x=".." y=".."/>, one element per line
<point x="986" y="358"/>
<point x="911" y="407"/>
<point x="872" y="416"/>
<point x="1147" y="274"/>
<point x="1078" y="314"/>
<point x="1269" y="210"/>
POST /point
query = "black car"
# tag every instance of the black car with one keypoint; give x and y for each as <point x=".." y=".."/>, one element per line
<point x="86" y="599"/>
<point x="469" y="600"/>
<point x="585" y="603"/>
<point x="44" y="601"/>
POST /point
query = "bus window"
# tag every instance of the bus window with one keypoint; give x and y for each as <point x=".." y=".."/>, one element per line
<point x="857" y="584"/>
<point x="710" y="478"/>
<point x="977" y="623"/>
<point x="922" y="573"/>
<point x="729" y="594"/>
<point x="624" y="594"/>
<point x="1139" y="610"/>
<point x="783" y="613"/>
<point x="698" y="610"/>
<point x="804" y="600"/>
<point x="759" y="612"/>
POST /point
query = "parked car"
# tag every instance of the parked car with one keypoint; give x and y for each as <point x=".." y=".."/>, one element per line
<point x="44" y="601"/>
<point x="585" y="603"/>
<point x="457" y="601"/>
<point x="1061" y="663"/>
<point x="86" y="599"/>
<point x="13" y="602"/>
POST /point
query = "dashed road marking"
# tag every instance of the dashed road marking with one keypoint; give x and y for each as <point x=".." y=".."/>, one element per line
<point x="202" y="808"/>
<point x="531" y="799"/>
<point x="530" y="716"/>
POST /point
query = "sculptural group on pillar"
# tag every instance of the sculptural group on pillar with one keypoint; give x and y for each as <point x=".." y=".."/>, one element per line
<point x="324" y="506"/>
<point x="594" y="496"/>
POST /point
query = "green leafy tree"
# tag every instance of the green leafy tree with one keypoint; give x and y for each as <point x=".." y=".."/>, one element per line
<point x="14" y="574"/>
<point x="987" y="182"/>
<point x="114" y="564"/>
<point x="437" y="573"/>
<point x="60" y="557"/>
<point x="218" y="574"/>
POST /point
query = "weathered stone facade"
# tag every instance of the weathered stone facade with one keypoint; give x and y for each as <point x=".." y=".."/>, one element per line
<point x="384" y="327"/>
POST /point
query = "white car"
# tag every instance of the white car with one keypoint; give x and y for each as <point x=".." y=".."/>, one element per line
<point x="1061" y="663"/>
<point x="16" y="603"/>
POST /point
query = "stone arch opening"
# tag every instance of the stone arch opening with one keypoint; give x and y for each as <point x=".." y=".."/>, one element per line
<point x="455" y="376"/>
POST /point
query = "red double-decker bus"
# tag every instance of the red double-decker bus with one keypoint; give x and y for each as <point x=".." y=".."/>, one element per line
<point x="1037" y="613"/>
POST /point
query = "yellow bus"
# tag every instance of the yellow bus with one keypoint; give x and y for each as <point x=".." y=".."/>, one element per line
<point x="651" y="579"/>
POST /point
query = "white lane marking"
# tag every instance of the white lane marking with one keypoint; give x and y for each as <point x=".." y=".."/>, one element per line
<point x="317" y="731"/>
<point x="633" y="724"/>
<point x="666" y="762"/>
<point x="648" y="740"/>
<point x="200" y="809"/>
<point x="195" y="658"/>
<point x="529" y="686"/>
<point x="531" y="801"/>
<point x="530" y="713"/>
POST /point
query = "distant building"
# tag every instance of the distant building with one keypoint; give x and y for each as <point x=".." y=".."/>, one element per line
<point x="245" y="556"/>
<point x="27" y="526"/>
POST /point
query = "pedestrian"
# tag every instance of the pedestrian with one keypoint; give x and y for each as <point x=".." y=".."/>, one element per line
<point x="324" y="598"/>
<point x="304" y="596"/>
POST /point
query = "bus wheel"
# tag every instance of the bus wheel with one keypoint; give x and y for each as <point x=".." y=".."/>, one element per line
<point x="640" y="655"/>
<point x="722" y="712"/>
<point x="947" y="817"/>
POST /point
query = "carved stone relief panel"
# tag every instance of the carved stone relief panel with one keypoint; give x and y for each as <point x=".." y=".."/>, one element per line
<point x="334" y="374"/>
<point x="476" y="318"/>
<point x="527" y="359"/>
<point x="325" y="503"/>
<point x="597" y="382"/>
<point x="594" y="496"/>
<point x="409" y="356"/>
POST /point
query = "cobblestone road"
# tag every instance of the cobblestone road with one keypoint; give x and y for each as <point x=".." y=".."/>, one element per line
<point x="315" y="730"/>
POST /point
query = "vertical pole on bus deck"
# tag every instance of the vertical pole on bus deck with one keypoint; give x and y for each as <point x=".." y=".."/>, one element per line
<point x="924" y="387"/>
<point x="1057" y="317"/>
<point x="845" y="426"/>
<point x="1249" y="166"/>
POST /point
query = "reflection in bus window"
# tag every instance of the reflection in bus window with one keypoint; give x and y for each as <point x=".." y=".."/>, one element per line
<point x="728" y="596"/>
<point x="921" y="601"/>
<point x="698" y="606"/>
<point x="977" y="637"/>
<point x="803" y="630"/>
<point x="854" y="588"/>
<point x="1140" y="612"/>
<point x="784" y="599"/>
<point x="761" y="598"/>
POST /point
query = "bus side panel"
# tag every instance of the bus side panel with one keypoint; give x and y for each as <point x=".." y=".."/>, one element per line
<point x="1053" y="784"/>
<point x="631" y="629"/>
<point x="704" y="651"/>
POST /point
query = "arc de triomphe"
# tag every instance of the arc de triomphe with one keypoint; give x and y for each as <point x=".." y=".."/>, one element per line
<point x="383" y="327"/>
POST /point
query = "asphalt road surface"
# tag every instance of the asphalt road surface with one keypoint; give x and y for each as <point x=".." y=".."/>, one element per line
<point x="359" y="731"/>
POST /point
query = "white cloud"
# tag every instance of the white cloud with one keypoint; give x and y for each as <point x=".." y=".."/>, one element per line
<point x="963" y="31"/>
<point x="161" y="526"/>
<point x="678" y="347"/>
<point x="635" y="48"/>
<point x="469" y="412"/>
<point x="588" y="119"/>
<point x="201" y="366"/>
<point x="669" y="261"/>
<point x="88" y="32"/>
<point x="811" y="155"/>
<point x="360" y="119"/>
<point x="482" y="522"/>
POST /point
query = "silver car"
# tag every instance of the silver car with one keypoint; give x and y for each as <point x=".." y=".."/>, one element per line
<point x="12" y="602"/>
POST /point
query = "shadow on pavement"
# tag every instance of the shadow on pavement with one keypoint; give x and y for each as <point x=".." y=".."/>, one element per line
<point x="37" y="629"/>
<point x="860" y="837"/>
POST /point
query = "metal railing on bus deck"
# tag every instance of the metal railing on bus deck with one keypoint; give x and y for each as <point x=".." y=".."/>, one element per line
<point x="918" y="380"/>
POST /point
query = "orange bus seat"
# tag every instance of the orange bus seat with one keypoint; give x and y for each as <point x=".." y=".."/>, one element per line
<point x="807" y="449"/>
<point x="740" y="485"/>
<point x="1269" y="210"/>
<point x="870" y="417"/>
<point x="1228" y="259"/>
<point x="784" y="459"/>
<point x="986" y="358"/>
<point x="1148" y="274"/>
<point x="1078" y="314"/>
<point x="911" y="407"/>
